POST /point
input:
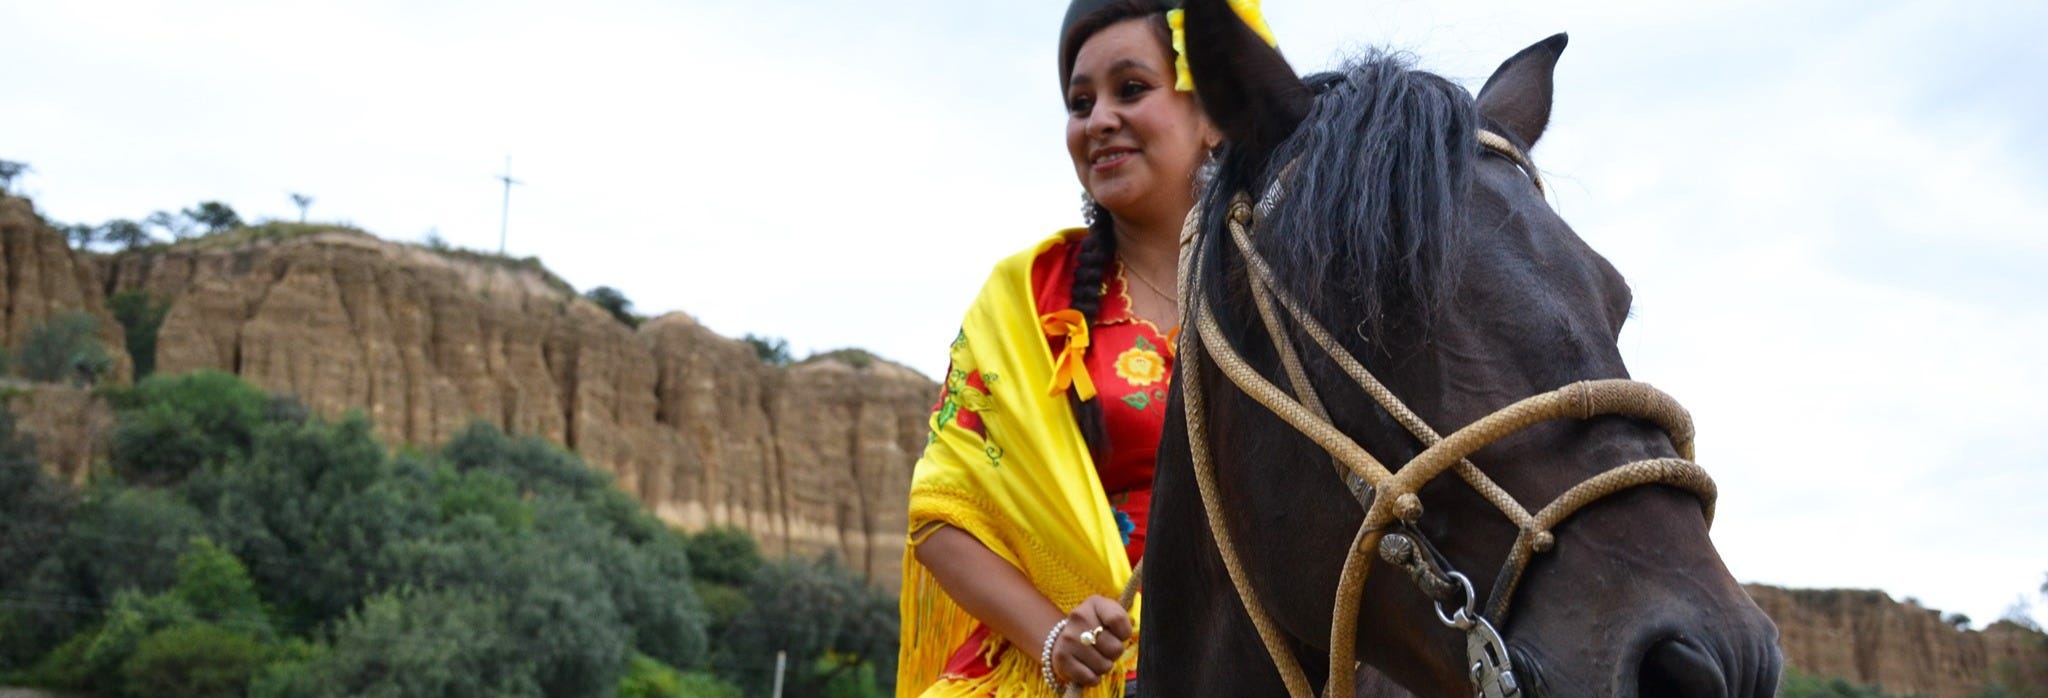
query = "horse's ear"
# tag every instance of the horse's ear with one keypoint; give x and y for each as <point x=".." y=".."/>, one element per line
<point x="1518" y="95"/>
<point x="1249" y="91"/>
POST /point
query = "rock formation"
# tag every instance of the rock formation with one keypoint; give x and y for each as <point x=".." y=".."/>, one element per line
<point x="43" y="277"/>
<point x="1865" y="637"/>
<point x="810" y="458"/>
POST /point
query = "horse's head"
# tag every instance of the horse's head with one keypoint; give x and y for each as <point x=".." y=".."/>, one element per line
<point x="1437" y="263"/>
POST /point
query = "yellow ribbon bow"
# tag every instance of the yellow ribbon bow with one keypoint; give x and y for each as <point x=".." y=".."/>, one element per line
<point x="1070" y="369"/>
<point x="1247" y="10"/>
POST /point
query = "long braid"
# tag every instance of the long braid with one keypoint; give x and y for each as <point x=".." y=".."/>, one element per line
<point x="1098" y="251"/>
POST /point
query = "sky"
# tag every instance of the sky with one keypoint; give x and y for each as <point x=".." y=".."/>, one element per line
<point x="1831" y="213"/>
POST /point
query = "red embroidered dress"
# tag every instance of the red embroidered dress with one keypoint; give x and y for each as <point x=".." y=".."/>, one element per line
<point x="1131" y="362"/>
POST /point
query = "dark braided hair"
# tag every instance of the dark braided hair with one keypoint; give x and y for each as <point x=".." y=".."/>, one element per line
<point x="1098" y="250"/>
<point x="1091" y="272"/>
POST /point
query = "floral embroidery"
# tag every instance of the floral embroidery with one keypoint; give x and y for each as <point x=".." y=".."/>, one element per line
<point x="1138" y="400"/>
<point x="972" y="397"/>
<point x="1141" y="365"/>
<point x="961" y="402"/>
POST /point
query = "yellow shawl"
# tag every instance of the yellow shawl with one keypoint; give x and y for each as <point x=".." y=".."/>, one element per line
<point x="1028" y="490"/>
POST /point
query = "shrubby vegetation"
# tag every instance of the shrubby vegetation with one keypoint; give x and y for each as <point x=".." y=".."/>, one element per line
<point x="1799" y="685"/>
<point x="235" y="545"/>
<point x="142" y="317"/>
<point x="66" y="348"/>
<point x="10" y="169"/>
<point x="851" y="356"/>
<point x="614" y="301"/>
<point x="773" y="351"/>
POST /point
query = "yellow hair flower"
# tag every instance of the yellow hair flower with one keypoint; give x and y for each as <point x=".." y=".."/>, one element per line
<point x="1247" y="10"/>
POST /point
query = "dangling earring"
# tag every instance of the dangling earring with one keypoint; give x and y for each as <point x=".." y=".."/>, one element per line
<point x="1088" y="208"/>
<point x="1212" y="161"/>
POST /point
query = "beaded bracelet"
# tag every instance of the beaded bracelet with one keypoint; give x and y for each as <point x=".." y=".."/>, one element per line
<point x="1045" y="657"/>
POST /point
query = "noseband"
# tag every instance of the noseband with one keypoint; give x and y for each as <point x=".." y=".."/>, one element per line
<point x="1390" y="498"/>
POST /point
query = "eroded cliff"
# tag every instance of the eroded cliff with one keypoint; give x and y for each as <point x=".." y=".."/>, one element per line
<point x="1865" y="637"/>
<point x="812" y="457"/>
<point x="42" y="277"/>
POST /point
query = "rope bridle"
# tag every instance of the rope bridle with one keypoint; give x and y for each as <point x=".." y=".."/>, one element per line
<point x="1390" y="498"/>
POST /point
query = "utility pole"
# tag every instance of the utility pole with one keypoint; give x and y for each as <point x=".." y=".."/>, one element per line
<point x="504" y="217"/>
<point x="781" y="663"/>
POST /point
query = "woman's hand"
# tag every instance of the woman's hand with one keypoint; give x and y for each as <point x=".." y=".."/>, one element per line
<point x="1076" y="661"/>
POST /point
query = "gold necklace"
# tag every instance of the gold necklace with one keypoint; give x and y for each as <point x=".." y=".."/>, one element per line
<point x="1147" y="282"/>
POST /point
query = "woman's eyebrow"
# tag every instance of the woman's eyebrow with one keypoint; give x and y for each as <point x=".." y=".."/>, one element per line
<point x="1125" y="65"/>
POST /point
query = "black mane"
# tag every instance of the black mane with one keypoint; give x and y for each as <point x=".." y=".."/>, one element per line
<point x="1376" y="176"/>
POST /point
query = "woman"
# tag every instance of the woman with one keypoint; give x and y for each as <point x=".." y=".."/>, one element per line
<point x="1027" y="509"/>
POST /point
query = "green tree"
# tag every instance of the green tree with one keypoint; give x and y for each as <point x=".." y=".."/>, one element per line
<point x="413" y="643"/>
<point x="97" y="656"/>
<point x="216" y="216"/>
<point x="318" y="506"/>
<point x="35" y="506"/>
<point x="530" y="461"/>
<point x="176" y="226"/>
<point x="192" y="661"/>
<point x="1798" y="685"/>
<point x="217" y="587"/>
<point x="648" y="580"/>
<point x="821" y="615"/>
<point x="557" y="602"/>
<point x="118" y="538"/>
<point x="66" y="347"/>
<point x="494" y="566"/>
<point x="724" y="555"/>
<point x="124" y="233"/>
<point x="181" y="423"/>
<point x="647" y="678"/>
<point x="9" y="170"/>
<point x="80" y="235"/>
<point x="202" y="637"/>
<point x="773" y="351"/>
<point x="615" y="303"/>
<point x="36" y="509"/>
<point x="483" y="493"/>
<point x="141" y="317"/>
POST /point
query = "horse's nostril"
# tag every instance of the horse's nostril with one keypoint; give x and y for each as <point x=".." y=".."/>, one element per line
<point x="1677" y="668"/>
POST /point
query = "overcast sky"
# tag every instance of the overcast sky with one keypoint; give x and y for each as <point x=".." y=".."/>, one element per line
<point x="1829" y="211"/>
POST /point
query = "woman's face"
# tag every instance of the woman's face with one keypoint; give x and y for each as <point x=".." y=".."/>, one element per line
<point x="1135" y="141"/>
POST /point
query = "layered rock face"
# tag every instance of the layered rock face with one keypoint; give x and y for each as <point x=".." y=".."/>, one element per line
<point x="809" y="458"/>
<point x="1867" y="638"/>
<point x="43" y="277"/>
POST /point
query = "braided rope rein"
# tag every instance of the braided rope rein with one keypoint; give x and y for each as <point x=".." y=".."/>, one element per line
<point x="1390" y="497"/>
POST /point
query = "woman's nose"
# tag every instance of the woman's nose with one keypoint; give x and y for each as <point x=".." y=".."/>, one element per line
<point x="1103" y="121"/>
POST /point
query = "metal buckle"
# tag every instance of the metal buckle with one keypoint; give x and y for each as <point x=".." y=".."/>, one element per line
<point x="1492" y="672"/>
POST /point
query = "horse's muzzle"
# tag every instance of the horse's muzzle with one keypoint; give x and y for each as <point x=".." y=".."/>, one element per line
<point x="1737" y="658"/>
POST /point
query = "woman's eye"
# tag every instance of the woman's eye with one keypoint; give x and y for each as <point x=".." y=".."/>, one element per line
<point x="1079" y="105"/>
<point x="1132" y="89"/>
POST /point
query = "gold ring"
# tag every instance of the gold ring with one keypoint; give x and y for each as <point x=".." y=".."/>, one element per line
<point x="1089" y="637"/>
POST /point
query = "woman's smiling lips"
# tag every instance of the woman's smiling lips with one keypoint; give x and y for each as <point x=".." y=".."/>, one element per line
<point x="1106" y="159"/>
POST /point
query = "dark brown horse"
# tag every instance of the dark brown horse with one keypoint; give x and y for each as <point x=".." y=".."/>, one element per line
<point x="1439" y="265"/>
